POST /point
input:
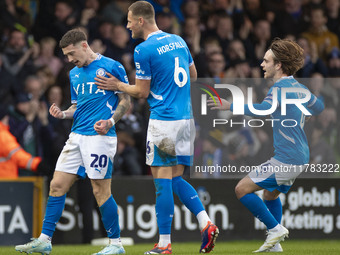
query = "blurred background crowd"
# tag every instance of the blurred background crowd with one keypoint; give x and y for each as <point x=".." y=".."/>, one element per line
<point x="227" y="39"/>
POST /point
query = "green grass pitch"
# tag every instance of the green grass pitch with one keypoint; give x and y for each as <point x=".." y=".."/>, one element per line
<point x="293" y="247"/>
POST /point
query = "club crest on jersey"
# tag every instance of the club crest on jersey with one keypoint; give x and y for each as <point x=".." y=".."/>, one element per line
<point x="100" y="72"/>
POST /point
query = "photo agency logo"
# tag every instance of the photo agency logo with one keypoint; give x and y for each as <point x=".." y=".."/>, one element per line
<point x="288" y="96"/>
<point x="204" y="98"/>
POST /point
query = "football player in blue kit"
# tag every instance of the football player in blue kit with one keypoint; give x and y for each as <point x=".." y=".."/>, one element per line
<point x="282" y="60"/>
<point x="92" y="142"/>
<point x="164" y="67"/>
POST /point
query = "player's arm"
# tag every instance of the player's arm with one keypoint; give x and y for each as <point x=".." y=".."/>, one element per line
<point x="122" y="108"/>
<point x="214" y="104"/>
<point x="315" y="106"/>
<point x="59" y="114"/>
<point x="140" y="90"/>
<point x="193" y="72"/>
<point x="103" y="126"/>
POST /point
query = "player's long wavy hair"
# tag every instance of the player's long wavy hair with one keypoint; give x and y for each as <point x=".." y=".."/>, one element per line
<point x="289" y="54"/>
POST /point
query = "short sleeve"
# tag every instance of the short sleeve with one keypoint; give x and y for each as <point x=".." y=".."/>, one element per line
<point x="74" y="95"/>
<point x="142" y="63"/>
<point x="119" y="72"/>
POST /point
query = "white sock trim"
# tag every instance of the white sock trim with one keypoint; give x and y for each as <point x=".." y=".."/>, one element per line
<point x="203" y="219"/>
<point x="276" y="228"/>
<point x="164" y="240"/>
<point x="116" y="241"/>
<point x="45" y="238"/>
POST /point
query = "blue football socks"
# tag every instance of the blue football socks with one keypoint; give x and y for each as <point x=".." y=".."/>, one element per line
<point x="54" y="209"/>
<point x="109" y="212"/>
<point x="275" y="207"/>
<point x="187" y="194"/>
<point x="164" y="205"/>
<point x="258" y="208"/>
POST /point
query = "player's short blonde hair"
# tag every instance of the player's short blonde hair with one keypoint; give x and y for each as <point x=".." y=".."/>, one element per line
<point x="289" y="54"/>
<point x="143" y="9"/>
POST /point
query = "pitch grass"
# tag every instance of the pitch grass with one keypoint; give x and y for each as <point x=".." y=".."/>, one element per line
<point x="290" y="247"/>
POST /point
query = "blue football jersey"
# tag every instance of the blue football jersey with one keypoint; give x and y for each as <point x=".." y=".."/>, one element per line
<point x="290" y="143"/>
<point x="94" y="104"/>
<point x="165" y="59"/>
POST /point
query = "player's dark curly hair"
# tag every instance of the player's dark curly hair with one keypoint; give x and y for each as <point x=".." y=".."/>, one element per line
<point x="289" y="54"/>
<point x="73" y="36"/>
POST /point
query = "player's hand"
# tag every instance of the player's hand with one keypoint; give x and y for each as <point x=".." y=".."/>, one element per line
<point x="215" y="104"/>
<point x="56" y="112"/>
<point x="102" y="126"/>
<point x="107" y="83"/>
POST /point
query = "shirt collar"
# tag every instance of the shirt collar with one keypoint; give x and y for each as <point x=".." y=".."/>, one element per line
<point x="154" y="33"/>
<point x="285" y="77"/>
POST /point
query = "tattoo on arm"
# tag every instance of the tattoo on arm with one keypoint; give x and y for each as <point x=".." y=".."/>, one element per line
<point x="70" y="111"/>
<point x="72" y="107"/>
<point x="123" y="106"/>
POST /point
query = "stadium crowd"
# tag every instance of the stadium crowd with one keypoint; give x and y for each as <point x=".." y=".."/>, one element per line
<point x="227" y="39"/>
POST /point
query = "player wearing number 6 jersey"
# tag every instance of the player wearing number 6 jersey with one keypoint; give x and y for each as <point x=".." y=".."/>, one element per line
<point x="164" y="68"/>
<point x="91" y="145"/>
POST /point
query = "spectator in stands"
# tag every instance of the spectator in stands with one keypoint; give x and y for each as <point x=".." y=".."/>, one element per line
<point x="115" y="11"/>
<point x="34" y="88"/>
<point x="216" y="67"/>
<point x="8" y="86"/>
<point x="47" y="57"/>
<point x="235" y="52"/>
<point x="46" y="77"/>
<point x="119" y="47"/>
<point x="319" y="34"/>
<point x="18" y="58"/>
<point x="320" y="151"/>
<point x="105" y="31"/>
<point x="191" y="9"/>
<point x="90" y="19"/>
<point x="242" y="69"/>
<point x="312" y="61"/>
<point x="192" y="35"/>
<point x="317" y="84"/>
<point x="127" y="160"/>
<point x="261" y="38"/>
<point x="255" y="10"/>
<point x="29" y="124"/>
<point x="167" y="22"/>
<point x="135" y="123"/>
<point x="213" y="152"/>
<point x="98" y="46"/>
<point x="226" y="6"/>
<point x="334" y="63"/>
<point x="13" y="155"/>
<point x="210" y="45"/>
<point x="291" y="20"/>
<point x="13" y="16"/>
<point x="173" y="6"/>
<point x="333" y="16"/>
<point x="65" y="18"/>
<point x="225" y="30"/>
